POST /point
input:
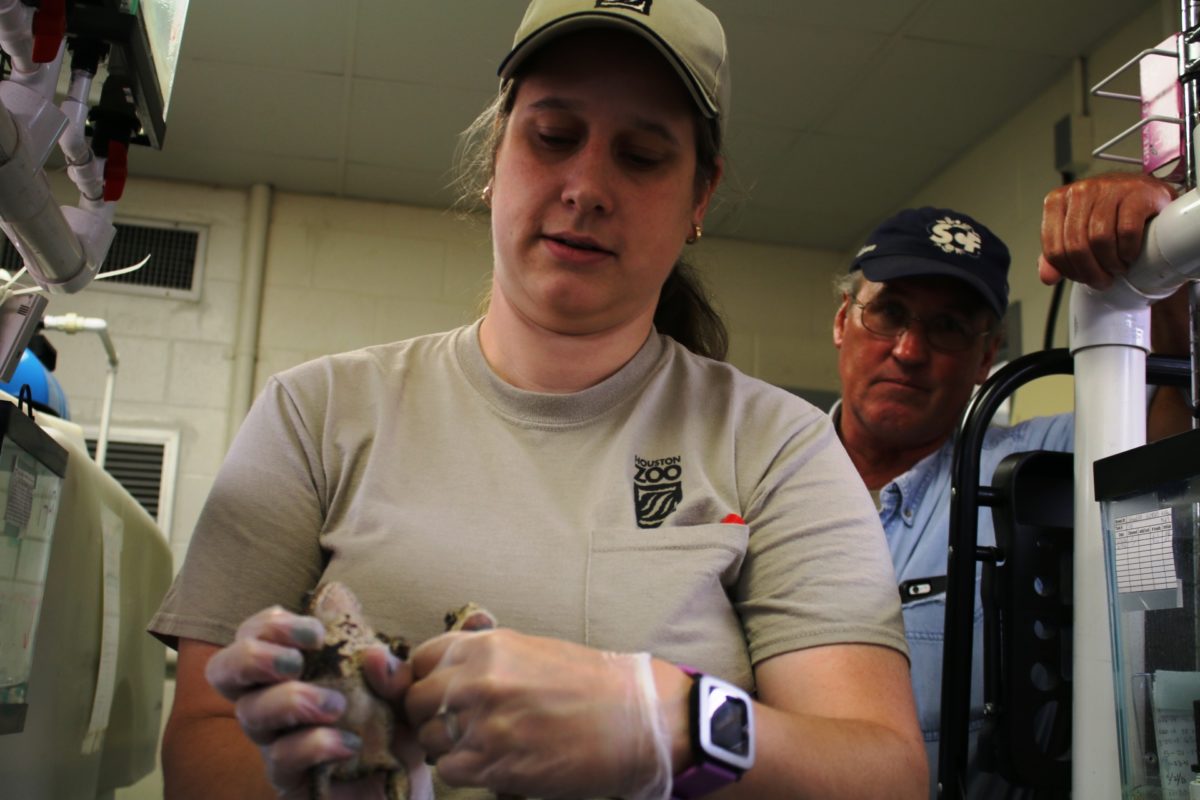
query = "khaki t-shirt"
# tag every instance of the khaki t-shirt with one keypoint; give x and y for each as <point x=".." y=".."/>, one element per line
<point x="411" y="472"/>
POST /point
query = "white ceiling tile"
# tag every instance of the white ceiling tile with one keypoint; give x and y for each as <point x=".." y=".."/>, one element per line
<point x="896" y="88"/>
<point x="879" y="16"/>
<point x="268" y="110"/>
<point x="945" y="95"/>
<point x="228" y="167"/>
<point x="304" y="35"/>
<point x="396" y="124"/>
<point x="449" y="42"/>
<point x="827" y="191"/>
<point x="800" y="78"/>
<point x="1031" y="26"/>
<point x="819" y="229"/>
<point x="753" y="150"/>
<point x="414" y="187"/>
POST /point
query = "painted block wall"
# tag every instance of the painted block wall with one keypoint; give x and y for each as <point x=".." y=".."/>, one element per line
<point x="1003" y="180"/>
<point x="346" y="274"/>
<point x="175" y="355"/>
<point x="387" y="272"/>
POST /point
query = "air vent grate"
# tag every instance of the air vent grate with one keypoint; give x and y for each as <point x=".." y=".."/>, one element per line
<point x="138" y="467"/>
<point x="176" y="255"/>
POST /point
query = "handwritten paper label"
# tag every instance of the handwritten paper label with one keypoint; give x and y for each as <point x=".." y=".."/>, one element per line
<point x="1145" y="558"/>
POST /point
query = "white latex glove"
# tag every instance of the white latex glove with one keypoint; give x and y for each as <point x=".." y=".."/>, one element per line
<point x="287" y="718"/>
<point x="539" y="717"/>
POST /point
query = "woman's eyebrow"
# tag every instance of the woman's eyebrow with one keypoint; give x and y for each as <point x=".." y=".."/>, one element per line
<point x="652" y="126"/>
<point x="656" y="128"/>
<point x="554" y="103"/>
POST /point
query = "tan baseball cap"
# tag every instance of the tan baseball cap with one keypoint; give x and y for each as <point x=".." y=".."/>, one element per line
<point x="685" y="32"/>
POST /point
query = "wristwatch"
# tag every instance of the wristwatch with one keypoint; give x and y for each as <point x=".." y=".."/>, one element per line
<point x="722" y="732"/>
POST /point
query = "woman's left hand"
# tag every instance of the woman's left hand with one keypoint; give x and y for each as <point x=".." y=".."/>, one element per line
<point x="539" y="717"/>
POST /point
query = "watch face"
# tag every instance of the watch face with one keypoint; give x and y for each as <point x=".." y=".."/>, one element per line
<point x="729" y="722"/>
<point x="726" y="723"/>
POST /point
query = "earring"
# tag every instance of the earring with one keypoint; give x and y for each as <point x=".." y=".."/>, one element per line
<point x="486" y="195"/>
<point x="697" y="233"/>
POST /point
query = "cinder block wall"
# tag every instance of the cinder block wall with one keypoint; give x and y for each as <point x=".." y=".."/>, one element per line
<point x="386" y="272"/>
<point x="175" y="355"/>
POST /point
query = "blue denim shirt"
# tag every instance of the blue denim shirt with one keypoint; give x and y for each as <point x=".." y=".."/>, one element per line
<point x="915" y="512"/>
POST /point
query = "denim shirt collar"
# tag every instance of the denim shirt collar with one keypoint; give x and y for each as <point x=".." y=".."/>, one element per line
<point x="902" y="495"/>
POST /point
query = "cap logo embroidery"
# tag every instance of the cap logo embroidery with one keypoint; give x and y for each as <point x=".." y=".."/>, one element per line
<point x="866" y="248"/>
<point x="955" y="236"/>
<point x="641" y="6"/>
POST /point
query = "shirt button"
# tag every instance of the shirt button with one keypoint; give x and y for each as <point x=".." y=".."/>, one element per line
<point x="908" y="514"/>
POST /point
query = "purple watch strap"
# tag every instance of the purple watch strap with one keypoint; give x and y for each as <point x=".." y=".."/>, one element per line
<point x="699" y="779"/>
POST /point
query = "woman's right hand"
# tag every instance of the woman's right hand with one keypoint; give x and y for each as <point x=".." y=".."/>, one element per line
<point x="287" y="718"/>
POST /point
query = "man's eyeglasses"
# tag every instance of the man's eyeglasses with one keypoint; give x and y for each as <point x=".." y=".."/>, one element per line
<point x="945" y="332"/>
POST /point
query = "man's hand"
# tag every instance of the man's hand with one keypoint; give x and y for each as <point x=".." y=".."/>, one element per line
<point x="1093" y="229"/>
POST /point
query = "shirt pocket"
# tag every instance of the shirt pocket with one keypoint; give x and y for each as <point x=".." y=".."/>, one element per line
<point x="667" y="591"/>
<point x="924" y="628"/>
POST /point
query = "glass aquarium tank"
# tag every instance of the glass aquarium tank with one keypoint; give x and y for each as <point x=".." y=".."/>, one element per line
<point x="1150" y="511"/>
<point x="32" y="466"/>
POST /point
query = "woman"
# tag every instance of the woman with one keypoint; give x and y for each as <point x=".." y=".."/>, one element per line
<point x="606" y="492"/>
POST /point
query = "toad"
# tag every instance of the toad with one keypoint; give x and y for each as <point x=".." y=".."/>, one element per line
<point x="338" y="665"/>
<point x="471" y="617"/>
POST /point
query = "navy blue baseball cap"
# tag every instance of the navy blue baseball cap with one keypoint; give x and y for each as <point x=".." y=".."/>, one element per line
<point x="938" y="241"/>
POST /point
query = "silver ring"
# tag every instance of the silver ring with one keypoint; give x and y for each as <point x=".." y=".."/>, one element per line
<point x="450" y="720"/>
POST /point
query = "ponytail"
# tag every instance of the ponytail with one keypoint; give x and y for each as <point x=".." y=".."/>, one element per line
<point x="686" y="315"/>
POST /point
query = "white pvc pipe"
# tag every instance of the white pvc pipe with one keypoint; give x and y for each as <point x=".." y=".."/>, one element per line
<point x="72" y="324"/>
<point x="254" y="258"/>
<point x="29" y="214"/>
<point x="1110" y="336"/>
<point x="1171" y="253"/>
<point x="10" y="136"/>
<point x="16" y="34"/>
<point x="44" y="79"/>
<point x="36" y="224"/>
<point x="84" y="169"/>
<point x="75" y="104"/>
<point x="110" y="382"/>
<point x="61" y="247"/>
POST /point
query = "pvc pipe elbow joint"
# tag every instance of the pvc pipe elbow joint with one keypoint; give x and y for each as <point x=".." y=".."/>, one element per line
<point x="1118" y="316"/>
<point x="1171" y="254"/>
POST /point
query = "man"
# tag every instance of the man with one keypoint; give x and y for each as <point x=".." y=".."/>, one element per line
<point x="918" y="328"/>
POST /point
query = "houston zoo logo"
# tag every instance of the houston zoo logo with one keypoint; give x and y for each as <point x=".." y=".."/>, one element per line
<point x="657" y="489"/>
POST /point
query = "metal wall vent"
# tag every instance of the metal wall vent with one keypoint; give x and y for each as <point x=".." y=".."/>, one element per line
<point x="176" y="260"/>
<point x="137" y="467"/>
<point x="145" y="462"/>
